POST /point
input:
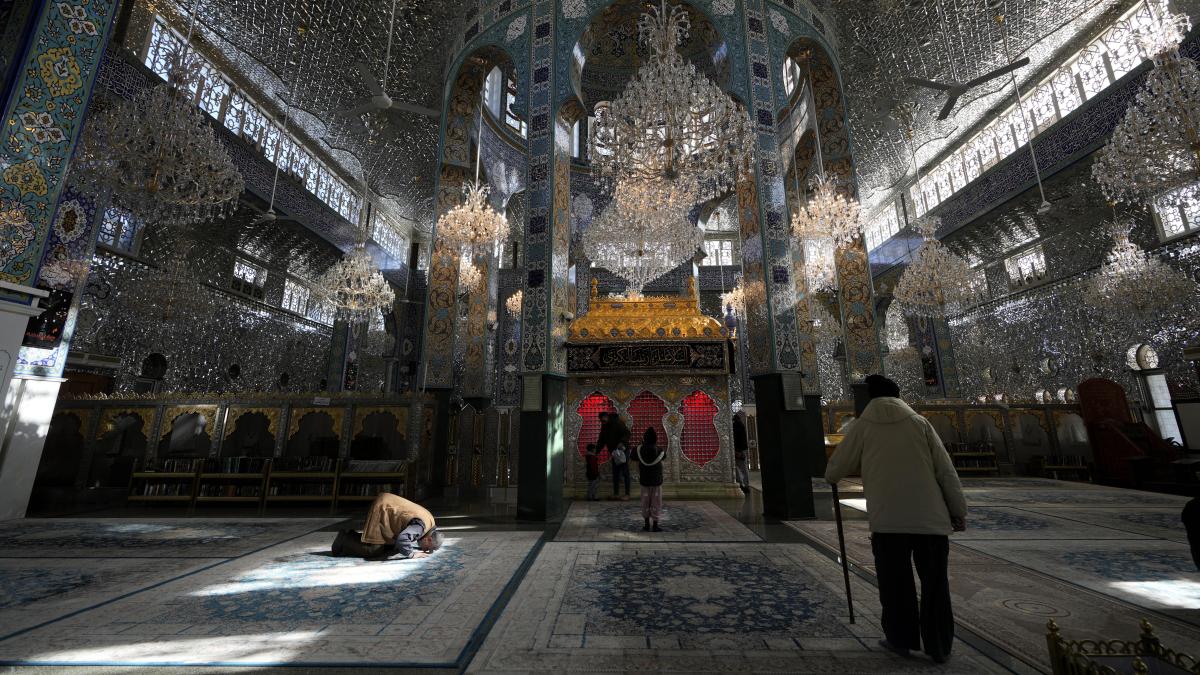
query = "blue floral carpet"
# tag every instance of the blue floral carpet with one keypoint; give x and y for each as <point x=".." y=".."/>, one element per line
<point x="622" y="521"/>
<point x="166" y="538"/>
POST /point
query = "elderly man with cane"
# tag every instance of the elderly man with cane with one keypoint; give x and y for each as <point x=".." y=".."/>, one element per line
<point x="914" y="501"/>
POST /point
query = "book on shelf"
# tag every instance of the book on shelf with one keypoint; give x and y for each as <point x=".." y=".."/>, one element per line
<point x="300" y="490"/>
<point x="375" y="466"/>
<point x="370" y="489"/>
<point x="174" y="489"/>
<point x="230" y="490"/>
<point x="304" y="464"/>
<point x="176" y="465"/>
<point x="235" y="464"/>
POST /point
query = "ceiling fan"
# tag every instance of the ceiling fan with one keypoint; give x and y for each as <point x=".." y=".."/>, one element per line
<point x="954" y="90"/>
<point x="379" y="100"/>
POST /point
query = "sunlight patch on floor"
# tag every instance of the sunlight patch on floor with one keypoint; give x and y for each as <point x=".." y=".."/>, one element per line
<point x="254" y="648"/>
<point x="1181" y="593"/>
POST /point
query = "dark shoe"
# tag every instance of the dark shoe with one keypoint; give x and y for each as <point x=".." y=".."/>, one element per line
<point x="746" y="489"/>
<point x="646" y="527"/>
<point x="939" y="658"/>
<point x="899" y="651"/>
<point x="656" y="528"/>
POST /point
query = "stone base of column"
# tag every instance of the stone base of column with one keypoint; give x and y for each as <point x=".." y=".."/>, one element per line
<point x="541" y="458"/>
<point x="30" y="405"/>
<point x="791" y="447"/>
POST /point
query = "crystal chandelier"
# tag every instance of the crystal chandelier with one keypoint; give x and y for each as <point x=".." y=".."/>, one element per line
<point x="936" y="283"/>
<point x="672" y="121"/>
<point x="159" y="156"/>
<point x="735" y="299"/>
<point x="473" y="226"/>
<point x="644" y="232"/>
<point x="1155" y="148"/>
<point x="825" y="329"/>
<point x="514" y="302"/>
<point x="469" y="277"/>
<point x="820" y="271"/>
<point x="828" y="214"/>
<point x="355" y="286"/>
<point x="1132" y="286"/>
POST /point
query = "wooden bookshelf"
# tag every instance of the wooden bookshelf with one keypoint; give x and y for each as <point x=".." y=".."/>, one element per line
<point x="316" y="486"/>
<point x="974" y="458"/>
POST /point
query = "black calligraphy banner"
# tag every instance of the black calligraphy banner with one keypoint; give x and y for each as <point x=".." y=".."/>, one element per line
<point x="704" y="356"/>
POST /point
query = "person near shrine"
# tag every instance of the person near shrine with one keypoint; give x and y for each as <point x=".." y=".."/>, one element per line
<point x="914" y="501"/>
<point x="650" y="476"/>
<point x="614" y="435"/>
<point x="395" y="528"/>
<point x="592" y="458"/>
<point x="740" y="444"/>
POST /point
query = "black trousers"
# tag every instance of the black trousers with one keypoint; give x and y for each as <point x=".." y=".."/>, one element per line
<point x="619" y="471"/>
<point x="907" y="623"/>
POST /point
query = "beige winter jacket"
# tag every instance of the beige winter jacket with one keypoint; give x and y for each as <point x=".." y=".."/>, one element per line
<point x="910" y="483"/>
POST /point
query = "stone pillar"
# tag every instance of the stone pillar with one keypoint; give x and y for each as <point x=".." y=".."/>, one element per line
<point x="790" y="439"/>
<point x="52" y="76"/>
<point x="547" y="284"/>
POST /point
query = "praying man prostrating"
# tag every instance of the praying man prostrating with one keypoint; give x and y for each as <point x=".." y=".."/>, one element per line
<point x="395" y="528"/>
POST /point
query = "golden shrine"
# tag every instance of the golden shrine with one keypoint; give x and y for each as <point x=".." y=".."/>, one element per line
<point x="656" y="361"/>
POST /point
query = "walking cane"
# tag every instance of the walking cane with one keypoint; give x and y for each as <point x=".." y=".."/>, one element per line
<point x="837" y="514"/>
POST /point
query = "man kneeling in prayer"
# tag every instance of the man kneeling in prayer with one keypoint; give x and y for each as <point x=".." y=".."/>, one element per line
<point x="395" y="528"/>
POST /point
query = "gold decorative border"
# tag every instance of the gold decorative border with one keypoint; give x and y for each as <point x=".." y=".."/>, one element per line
<point x="110" y="415"/>
<point x="236" y="413"/>
<point x="338" y="415"/>
<point x="994" y="414"/>
<point x="208" y="412"/>
<point x="361" y="415"/>
<point x="1034" y="412"/>
<point x="948" y="414"/>
<point x="82" y="414"/>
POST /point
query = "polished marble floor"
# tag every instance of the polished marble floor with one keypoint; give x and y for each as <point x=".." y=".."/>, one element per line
<point x="721" y="589"/>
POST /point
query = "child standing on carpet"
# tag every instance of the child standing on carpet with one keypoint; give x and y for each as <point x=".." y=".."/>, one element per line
<point x="650" y="476"/>
<point x="593" y="472"/>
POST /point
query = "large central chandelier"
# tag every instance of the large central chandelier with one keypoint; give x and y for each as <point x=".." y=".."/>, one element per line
<point x="1155" y="149"/>
<point x="644" y="232"/>
<point x="828" y="214"/>
<point x="159" y="156"/>
<point x="672" y="121"/>
<point x="936" y="283"/>
<point x="1133" y="286"/>
<point x="355" y="286"/>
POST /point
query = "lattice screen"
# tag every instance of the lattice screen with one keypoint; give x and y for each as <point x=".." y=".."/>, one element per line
<point x="589" y="409"/>
<point x="699" y="441"/>
<point x="646" y="410"/>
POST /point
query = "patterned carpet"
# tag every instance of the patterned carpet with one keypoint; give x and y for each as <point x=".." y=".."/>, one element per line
<point x="294" y="603"/>
<point x="150" y="538"/>
<point x="691" y="608"/>
<point x="1095" y="559"/>
<point x="682" y="521"/>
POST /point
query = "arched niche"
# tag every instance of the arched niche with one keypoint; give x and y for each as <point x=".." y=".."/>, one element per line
<point x="699" y="441"/>
<point x="607" y="52"/>
<point x="186" y="433"/>
<point x="1072" y="434"/>
<point x="589" y="410"/>
<point x="63" y="451"/>
<point x="250" y="434"/>
<point x="380" y="433"/>
<point x="314" y="433"/>
<point x="646" y="410"/>
<point x="983" y="427"/>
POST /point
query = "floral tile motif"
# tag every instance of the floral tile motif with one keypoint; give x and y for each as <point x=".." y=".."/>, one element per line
<point x="22" y="587"/>
<point x="1082" y="497"/>
<point x="996" y="520"/>
<point x="622" y="521"/>
<point x="1006" y="522"/>
<point x="294" y="604"/>
<point x="1163" y="522"/>
<point x="1125" y="565"/>
<point x="697" y="594"/>
<point x="166" y="537"/>
<point x="1159" y="520"/>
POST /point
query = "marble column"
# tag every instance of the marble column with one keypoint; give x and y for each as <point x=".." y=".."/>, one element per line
<point x="48" y="90"/>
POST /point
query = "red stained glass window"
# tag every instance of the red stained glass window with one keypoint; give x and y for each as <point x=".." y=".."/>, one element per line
<point x="646" y="410"/>
<point x="589" y="409"/>
<point x="699" y="441"/>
